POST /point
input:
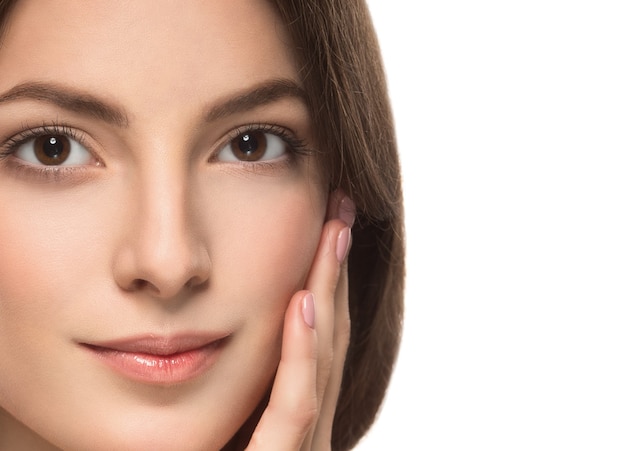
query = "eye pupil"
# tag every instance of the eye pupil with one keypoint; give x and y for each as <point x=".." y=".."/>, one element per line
<point x="52" y="150"/>
<point x="250" y="146"/>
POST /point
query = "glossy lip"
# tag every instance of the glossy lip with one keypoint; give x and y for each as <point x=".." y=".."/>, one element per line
<point x="159" y="360"/>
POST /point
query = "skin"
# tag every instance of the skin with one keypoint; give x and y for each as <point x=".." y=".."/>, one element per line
<point x="155" y="231"/>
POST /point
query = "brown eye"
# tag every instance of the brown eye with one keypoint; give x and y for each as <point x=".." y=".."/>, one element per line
<point x="249" y="146"/>
<point x="52" y="150"/>
<point x="254" y="146"/>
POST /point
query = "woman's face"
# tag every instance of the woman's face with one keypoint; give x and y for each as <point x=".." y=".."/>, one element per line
<point x="158" y="208"/>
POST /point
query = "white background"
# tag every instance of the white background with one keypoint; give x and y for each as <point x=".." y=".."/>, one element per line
<point x="511" y="119"/>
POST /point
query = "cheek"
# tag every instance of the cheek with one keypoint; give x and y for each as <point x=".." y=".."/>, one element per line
<point x="262" y="246"/>
<point x="32" y="254"/>
<point x="48" y="249"/>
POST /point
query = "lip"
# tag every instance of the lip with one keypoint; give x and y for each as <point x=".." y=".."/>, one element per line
<point x="159" y="360"/>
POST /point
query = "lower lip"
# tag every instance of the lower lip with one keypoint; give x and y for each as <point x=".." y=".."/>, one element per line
<point x="160" y="369"/>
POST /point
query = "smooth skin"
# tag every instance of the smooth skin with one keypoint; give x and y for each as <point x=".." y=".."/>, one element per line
<point x="155" y="227"/>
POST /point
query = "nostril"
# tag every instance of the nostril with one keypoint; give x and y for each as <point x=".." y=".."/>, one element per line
<point x="141" y="285"/>
<point x="197" y="282"/>
<point x="168" y="288"/>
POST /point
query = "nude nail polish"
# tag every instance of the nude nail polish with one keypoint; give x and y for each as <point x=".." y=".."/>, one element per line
<point x="343" y="241"/>
<point x="308" y="310"/>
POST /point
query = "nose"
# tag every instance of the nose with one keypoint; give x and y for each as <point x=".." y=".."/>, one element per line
<point x="163" y="252"/>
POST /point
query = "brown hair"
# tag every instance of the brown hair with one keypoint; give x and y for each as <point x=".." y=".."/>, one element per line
<point x="342" y="72"/>
<point x="5" y="7"/>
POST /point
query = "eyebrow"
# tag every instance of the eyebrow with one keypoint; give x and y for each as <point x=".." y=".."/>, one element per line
<point x="262" y="94"/>
<point x="81" y="102"/>
<point x="68" y="99"/>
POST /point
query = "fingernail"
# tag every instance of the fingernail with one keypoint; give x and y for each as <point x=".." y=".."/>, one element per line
<point x="343" y="240"/>
<point x="347" y="211"/>
<point x="308" y="310"/>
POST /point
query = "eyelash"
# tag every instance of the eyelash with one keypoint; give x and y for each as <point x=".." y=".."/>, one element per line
<point x="14" y="142"/>
<point x="295" y="146"/>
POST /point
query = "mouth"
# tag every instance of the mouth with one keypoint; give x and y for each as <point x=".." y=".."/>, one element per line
<point x="159" y="360"/>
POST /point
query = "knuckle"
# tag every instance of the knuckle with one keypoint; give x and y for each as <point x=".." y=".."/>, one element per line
<point x="300" y="412"/>
<point x="304" y="414"/>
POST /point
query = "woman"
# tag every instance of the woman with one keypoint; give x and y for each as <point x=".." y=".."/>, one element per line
<point x="178" y="191"/>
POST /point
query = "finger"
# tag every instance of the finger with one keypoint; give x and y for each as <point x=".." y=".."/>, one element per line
<point x="341" y="340"/>
<point x="334" y="324"/>
<point x="293" y="405"/>
<point x="323" y="281"/>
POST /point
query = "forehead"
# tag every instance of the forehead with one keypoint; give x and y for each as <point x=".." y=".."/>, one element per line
<point x="188" y="48"/>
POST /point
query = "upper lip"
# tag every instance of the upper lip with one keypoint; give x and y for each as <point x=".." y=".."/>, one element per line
<point x="158" y="344"/>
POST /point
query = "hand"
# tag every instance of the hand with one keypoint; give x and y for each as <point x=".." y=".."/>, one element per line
<point x="301" y="409"/>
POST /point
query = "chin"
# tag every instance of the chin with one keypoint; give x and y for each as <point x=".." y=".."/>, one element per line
<point x="148" y="434"/>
